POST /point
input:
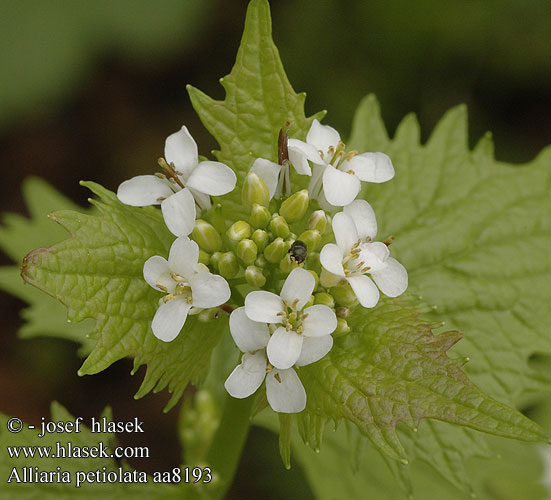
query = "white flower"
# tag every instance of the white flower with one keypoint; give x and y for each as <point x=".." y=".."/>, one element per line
<point x="284" y="390"/>
<point x="189" y="183"/>
<point x="355" y="254"/>
<point x="293" y="325"/>
<point x="337" y="172"/>
<point x="187" y="285"/>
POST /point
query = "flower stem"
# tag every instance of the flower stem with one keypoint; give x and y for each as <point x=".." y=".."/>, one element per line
<point x="229" y="440"/>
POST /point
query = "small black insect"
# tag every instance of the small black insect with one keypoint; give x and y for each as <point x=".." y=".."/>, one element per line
<point x="298" y="251"/>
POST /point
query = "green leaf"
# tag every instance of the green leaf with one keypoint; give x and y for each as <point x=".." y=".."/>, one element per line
<point x="391" y="369"/>
<point x="18" y="236"/>
<point x="98" y="273"/>
<point x="54" y="490"/>
<point x="259" y="100"/>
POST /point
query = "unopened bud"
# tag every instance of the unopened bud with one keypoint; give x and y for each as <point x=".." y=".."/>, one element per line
<point x="343" y="312"/>
<point x="342" y="327"/>
<point x="207" y="315"/>
<point x="261" y="261"/>
<point x="206" y="236"/>
<point x="279" y="227"/>
<point x="218" y="218"/>
<point x="228" y="266"/>
<point x="294" y="207"/>
<point x="239" y="231"/>
<point x="254" y="276"/>
<point x="204" y="257"/>
<point x="329" y="280"/>
<point x="247" y="251"/>
<point x="312" y="238"/>
<point x="260" y="216"/>
<point x="344" y="295"/>
<point x="287" y="264"/>
<point x="254" y="191"/>
<point x="318" y="221"/>
<point x="316" y="278"/>
<point x="275" y="251"/>
<point x="261" y="238"/>
<point x="310" y="302"/>
<point x="314" y="261"/>
<point x="324" y="299"/>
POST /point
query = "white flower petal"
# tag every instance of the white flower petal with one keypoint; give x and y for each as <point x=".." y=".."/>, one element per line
<point x="313" y="349"/>
<point x="154" y="268"/>
<point x="300" y="153"/>
<point x="322" y="136"/>
<point x="285" y="391"/>
<point x="213" y="178"/>
<point x="183" y="257"/>
<point x="284" y="348"/>
<point x="340" y="188"/>
<point x="345" y="231"/>
<point x="299" y="285"/>
<point x="209" y="290"/>
<point x="170" y="318"/>
<point x="268" y="171"/>
<point x="202" y="200"/>
<point x="247" y="334"/>
<point x="364" y="218"/>
<point x="247" y="377"/>
<point x="263" y="306"/>
<point x="372" y="167"/>
<point x="179" y="212"/>
<point x="321" y="321"/>
<point x="373" y="255"/>
<point x="144" y="190"/>
<point x="365" y="290"/>
<point x="331" y="259"/>
<point x="392" y="279"/>
<point x="181" y="149"/>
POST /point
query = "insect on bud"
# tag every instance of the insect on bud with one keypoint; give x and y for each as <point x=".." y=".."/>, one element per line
<point x="260" y="216"/>
<point x="254" y="276"/>
<point x="279" y="227"/>
<point x="228" y="266"/>
<point x="239" y="231"/>
<point x="294" y="207"/>
<point x="206" y="236"/>
<point x="247" y="251"/>
<point x="312" y="238"/>
<point x="318" y="221"/>
<point x="254" y="191"/>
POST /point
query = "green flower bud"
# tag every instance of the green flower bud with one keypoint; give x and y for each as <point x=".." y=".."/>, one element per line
<point x="329" y="280"/>
<point x="312" y="238"/>
<point x="204" y="257"/>
<point x="343" y="312"/>
<point x="254" y="276"/>
<point x="275" y="251"/>
<point x="324" y="299"/>
<point x="247" y="251"/>
<point x="206" y="236"/>
<point x="207" y="315"/>
<point x="279" y="227"/>
<point x="227" y="265"/>
<point x="316" y="277"/>
<point x="217" y="218"/>
<point x="214" y="258"/>
<point x="287" y="264"/>
<point x="254" y="191"/>
<point x="314" y="261"/>
<point x="342" y="327"/>
<point x="310" y="302"/>
<point x="294" y="207"/>
<point x="261" y="238"/>
<point x="318" y="221"/>
<point x="344" y="295"/>
<point x="260" y="216"/>
<point x="261" y="261"/>
<point x="239" y="231"/>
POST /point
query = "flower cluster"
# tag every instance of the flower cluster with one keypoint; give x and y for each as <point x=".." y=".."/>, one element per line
<point x="289" y="273"/>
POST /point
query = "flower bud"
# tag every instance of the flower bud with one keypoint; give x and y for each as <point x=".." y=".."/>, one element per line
<point x="260" y="237"/>
<point x="247" y="251"/>
<point x="343" y="312"/>
<point x="316" y="278"/>
<point x="324" y="299"/>
<point x="260" y="216"/>
<point x="342" y="327"/>
<point x="206" y="236"/>
<point x="254" y="191"/>
<point x="204" y="257"/>
<point x="312" y="238"/>
<point x="279" y="227"/>
<point x="318" y="221"/>
<point x="227" y="265"/>
<point x="344" y="295"/>
<point x="217" y="218"/>
<point x="261" y="261"/>
<point x="207" y="315"/>
<point x="328" y="279"/>
<point x="287" y="264"/>
<point x="275" y="251"/>
<point x="294" y="207"/>
<point x="310" y="302"/>
<point x="239" y="231"/>
<point x="314" y="261"/>
<point x="254" y="276"/>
